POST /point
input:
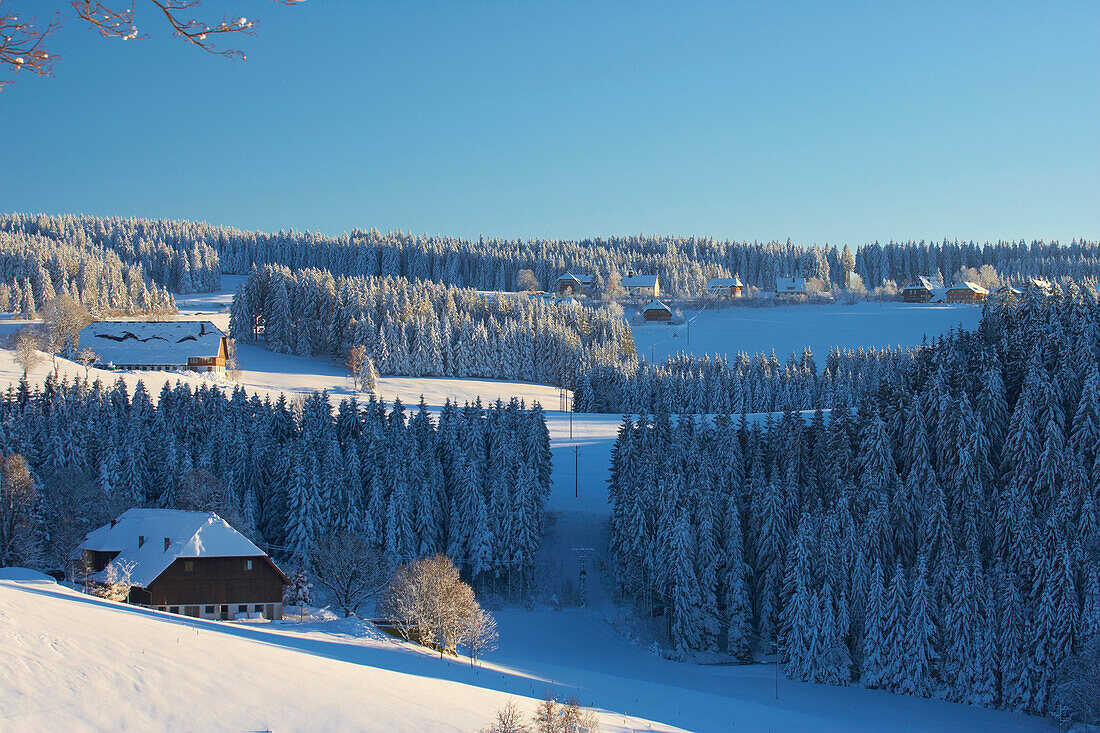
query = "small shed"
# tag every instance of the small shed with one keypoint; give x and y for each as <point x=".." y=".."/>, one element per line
<point x="657" y="312"/>
<point x="790" y="287"/>
<point x="725" y="287"/>
<point x="966" y="292"/>
<point x="641" y="285"/>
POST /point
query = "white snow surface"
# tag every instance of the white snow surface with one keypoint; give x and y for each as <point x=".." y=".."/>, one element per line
<point x="729" y="329"/>
<point x="151" y="342"/>
<point x="77" y="663"/>
<point x="190" y="534"/>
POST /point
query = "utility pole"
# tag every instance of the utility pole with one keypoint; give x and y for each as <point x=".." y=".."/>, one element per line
<point x="576" y="474"/>
<point x="582" y="561"/>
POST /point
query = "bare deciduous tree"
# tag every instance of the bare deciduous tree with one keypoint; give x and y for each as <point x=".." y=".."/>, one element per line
<point x="509" y="720"/>
<point x="349" y="570"/>
<point x="552" y="716"/>
<point x="19" y="541"/>
<point x="526" y="280"/>
<point x="354" y="362"/>
<point x="428" y="601"/>
<point x="27" y="344"/>
<point x="23" y="38"/>
<point x="86" y="357"/>
<point x="114" y="582"/>
<point x="480" y="634"/>
<point x="65" y="318"/>
<point x="232" y="365"/>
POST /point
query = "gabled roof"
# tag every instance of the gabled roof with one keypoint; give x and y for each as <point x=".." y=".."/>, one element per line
<point x="923" y="283"/>
<point x="639" y="281"/>
<point x="581" y="278"/>
<point x="725" y="282"/>
<point x="656" y="305"/>
<point x="151" y="342"/>
<point x="790" y="285"/>
<point x="972" y="287"/>
<point x="190" y="534"/>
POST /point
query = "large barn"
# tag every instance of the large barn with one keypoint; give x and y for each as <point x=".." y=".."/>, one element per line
<point x="191" y="563"/>
<point x="198" y="346"/>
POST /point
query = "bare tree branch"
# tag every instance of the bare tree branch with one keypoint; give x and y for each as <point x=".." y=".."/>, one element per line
<point x="22" y="41"/>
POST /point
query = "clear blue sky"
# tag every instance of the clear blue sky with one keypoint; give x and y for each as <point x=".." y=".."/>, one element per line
<point x="820" y="121"/>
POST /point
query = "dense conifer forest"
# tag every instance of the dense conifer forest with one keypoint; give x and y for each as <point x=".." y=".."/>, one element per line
<point x="185" y="256"/>
<point x="472" y="484"/>
<point x="426" y="330"/>
<point x="939" y="536"/>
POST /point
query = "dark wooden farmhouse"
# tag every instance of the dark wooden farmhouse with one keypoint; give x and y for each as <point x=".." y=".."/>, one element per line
<point x="657" y="312"/>
<point x="575" y="284"/>
<point x="192" y="563"/>
<point x="921" y="290"/>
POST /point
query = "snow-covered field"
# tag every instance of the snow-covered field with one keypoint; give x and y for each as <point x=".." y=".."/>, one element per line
<point x="73" y="662"/>
<point x="787" y="328"/>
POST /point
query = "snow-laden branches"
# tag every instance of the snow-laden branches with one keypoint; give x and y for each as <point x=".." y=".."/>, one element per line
<point x="23" y="39"/>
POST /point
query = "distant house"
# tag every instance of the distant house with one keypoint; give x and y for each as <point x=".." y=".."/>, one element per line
<point x="641" y="285"/>
<point x="1005" y="292"/>
<point x="157" y="345"/>
<point x="725" y="287"/>
<point x="790" y="287"/>
<point x="1041" y="283"/>
<point x="192" y="563"/>
<point x="966" y="292"/>
<point x="921" y="290"/>
<point x="572" y="283"/>
<point x="657" y="312"/>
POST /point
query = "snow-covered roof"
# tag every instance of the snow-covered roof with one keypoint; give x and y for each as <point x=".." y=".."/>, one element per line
<point x="189" y="534"/>
<point x="971" y="286"/>
<point x="924" y="283"/>
<point x="581" y="278"/>
<point x="656" y="305"/>
<point x="151" y="342"/>
<point x="725" y="282"/>
<point x="790" y="285"/>
<point x="639" y="281"/>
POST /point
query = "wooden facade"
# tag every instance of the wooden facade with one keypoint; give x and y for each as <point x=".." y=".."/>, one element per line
<point x="657" y="313"/>
<point x="966" y="293"/>
<point x="217" y="587"/>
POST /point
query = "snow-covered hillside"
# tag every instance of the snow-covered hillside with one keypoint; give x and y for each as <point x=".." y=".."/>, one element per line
<point x="790" y="328"/>
<point x="73" y="662"/>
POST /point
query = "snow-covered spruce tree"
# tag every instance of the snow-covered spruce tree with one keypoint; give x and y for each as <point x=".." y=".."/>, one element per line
<point x="953" y="551"/>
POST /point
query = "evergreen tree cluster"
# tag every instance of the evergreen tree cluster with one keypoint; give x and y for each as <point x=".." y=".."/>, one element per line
<point x="709" y="385"/>
<point x="34" y="269"/>
<point x="472" y="484"/>
<point x="173" y="254"/>
<point x="186" y="256"/>
<point x="425" y="329"/>
<point x="939" y="538"/>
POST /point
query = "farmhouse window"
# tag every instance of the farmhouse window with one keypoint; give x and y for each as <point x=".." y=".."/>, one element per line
<point x="209" y="610"/>
<point x="188" y="566"/>
<point x="247" y="564"/>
